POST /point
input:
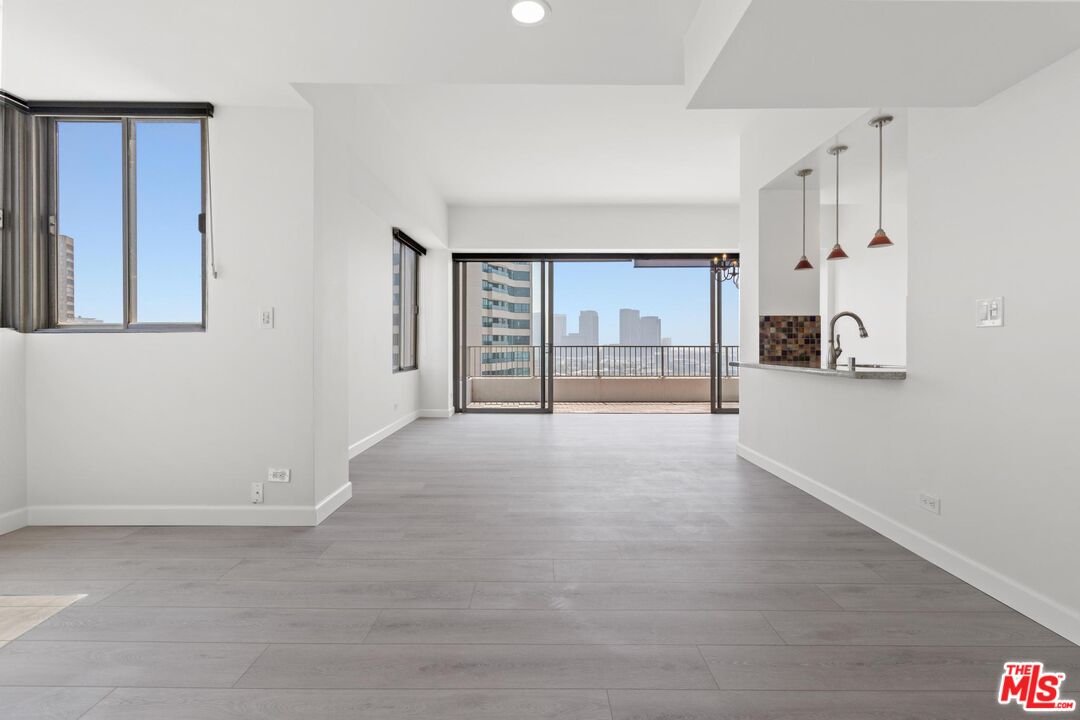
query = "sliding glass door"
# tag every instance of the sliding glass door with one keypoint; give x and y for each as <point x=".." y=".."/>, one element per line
<point x="629" y="333"/>
<point x="502" y="335"/>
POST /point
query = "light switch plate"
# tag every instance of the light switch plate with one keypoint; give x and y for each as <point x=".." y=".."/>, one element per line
<point x="266" y="318"/>
<point x="990" y="312"/>
<point x="279" y="475"/>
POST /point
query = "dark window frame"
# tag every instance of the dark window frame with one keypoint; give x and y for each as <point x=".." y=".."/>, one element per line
<point x="405" y="247"/>
<point x="48" y="129"/>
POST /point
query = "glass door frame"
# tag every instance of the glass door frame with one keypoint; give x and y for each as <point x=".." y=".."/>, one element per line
<point x="545" y="353"/>
<point x="547" y="262"/>
<point x="716" y="331"/>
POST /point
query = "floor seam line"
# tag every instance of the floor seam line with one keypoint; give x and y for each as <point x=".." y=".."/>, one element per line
<point x="249" y="667"/>
<point x="101" y="700"/>
<point x="707" y="667"/>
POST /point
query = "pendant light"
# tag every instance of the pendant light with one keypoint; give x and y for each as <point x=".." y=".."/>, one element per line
<point x="804" y="264"/>
<point x="837" y="252"/>
<point x="880" y="238"/>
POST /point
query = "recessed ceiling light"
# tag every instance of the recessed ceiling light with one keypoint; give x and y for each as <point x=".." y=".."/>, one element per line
<point x="530" y="12"/>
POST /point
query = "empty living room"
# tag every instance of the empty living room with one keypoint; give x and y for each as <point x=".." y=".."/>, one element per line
<point x="538" y="359"/>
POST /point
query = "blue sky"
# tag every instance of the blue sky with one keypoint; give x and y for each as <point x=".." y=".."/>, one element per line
<point x="168" y="191"/>
<point x="679" y="296"/>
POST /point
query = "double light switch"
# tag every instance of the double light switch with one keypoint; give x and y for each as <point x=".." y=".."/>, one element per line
<point x="990" y="312"/>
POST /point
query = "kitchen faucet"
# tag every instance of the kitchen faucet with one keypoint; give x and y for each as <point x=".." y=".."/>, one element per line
<point x="834" y="340"/>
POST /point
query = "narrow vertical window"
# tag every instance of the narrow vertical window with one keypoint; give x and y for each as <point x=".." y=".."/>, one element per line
<point x="168" y="201"/>
<point x="406" y="273"/>
<point x="88" y="228"/>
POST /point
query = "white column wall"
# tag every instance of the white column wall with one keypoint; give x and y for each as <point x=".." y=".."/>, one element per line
<point x="12" y="431"/>
<point x="985" y="420"/>
<point x="173" y="427"/>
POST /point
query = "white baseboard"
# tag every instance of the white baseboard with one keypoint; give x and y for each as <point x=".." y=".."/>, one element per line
<point x="236" y="515"/>
<point x="13" y="520"/>
<point x="381" y="434"/>
<point x="332" y="502"/>
<point x="437" y="413"/>
<point x="1055" y="616"/>
<point x="250" y="515"/>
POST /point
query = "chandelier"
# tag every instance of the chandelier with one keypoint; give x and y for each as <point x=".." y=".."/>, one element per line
<point x="726" y="268"/>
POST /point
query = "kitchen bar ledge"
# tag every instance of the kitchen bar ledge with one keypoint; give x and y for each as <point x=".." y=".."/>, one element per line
<point x="863" y="373"/>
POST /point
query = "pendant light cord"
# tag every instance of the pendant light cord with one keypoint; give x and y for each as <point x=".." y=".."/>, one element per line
<point x="838" y="197"/>
<point x="804" y="216"/>
<point x="881" y="174"/>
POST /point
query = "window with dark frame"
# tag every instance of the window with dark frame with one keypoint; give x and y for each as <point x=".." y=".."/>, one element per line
<point x="126" y="232"/>
<point x="406" y="301"/>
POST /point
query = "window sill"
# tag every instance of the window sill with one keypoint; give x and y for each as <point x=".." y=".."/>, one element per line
<point x="117" y="329"/>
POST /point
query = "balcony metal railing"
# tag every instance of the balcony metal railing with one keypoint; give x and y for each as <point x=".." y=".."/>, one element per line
<point x="601" y="361"/>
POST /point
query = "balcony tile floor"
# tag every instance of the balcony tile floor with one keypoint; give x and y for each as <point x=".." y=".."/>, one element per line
<point x="612" y="408"/>
<point x="580" y="567"/>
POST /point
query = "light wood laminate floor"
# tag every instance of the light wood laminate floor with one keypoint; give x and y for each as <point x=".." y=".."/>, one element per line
<point x="579" y="567"/>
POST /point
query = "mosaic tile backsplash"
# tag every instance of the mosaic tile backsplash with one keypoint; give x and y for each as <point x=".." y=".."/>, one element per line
<point x="790" y="339"/>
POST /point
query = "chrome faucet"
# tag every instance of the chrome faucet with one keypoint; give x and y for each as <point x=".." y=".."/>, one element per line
<point x="834" y="340"/>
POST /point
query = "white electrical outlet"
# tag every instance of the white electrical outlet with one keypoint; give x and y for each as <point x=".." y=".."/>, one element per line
<point x="282" y="475"/>
<point x="929" y="503"/>
<point x="266" y="318"/>
<point x="256" y="492"/>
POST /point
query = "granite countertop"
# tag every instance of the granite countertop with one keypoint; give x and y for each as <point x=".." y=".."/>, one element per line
<point x="862" y="373"/>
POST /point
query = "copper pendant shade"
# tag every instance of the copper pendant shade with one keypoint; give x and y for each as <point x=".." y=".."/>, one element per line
<point x="880" y="238"/>
<point x="803" y="263"/>
<point x="837" y="252"/>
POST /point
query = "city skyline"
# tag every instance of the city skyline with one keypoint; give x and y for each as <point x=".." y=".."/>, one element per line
<point x="678" y="296"/>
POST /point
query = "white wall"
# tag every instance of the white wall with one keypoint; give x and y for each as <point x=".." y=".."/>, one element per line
<point x="558" y="228"/>
<point x="599" y="228"/>
<point x="783" y="291"/>
<point x="145" y="428"/>
<point x="436" y="335"/>
<point x="335" y="212"/>
<point x="379" y="399"/>
<point x="767" y="149"/>
<point x="366" y="183"/>
<point x="871" y="282"/>
<point x="986" y="419"/>
<point x="12" y="431"/>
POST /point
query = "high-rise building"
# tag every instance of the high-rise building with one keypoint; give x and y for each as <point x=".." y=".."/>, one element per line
<point x="629" y="327"/>
<point x="665" y="341"/>
<point x="558" y="329"/>
<point x="589" y="327"/>
<point x="65" y="287"/>
<point x="499" y="320"/>
<point x="650" y="330"/>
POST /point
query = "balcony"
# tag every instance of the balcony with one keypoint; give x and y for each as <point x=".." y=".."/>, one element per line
<point x="655" y="378"/>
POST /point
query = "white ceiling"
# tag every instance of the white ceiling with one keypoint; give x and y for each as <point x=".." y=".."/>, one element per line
<point x="249" y="51"/>
<point x="568" y="144"/>
<point x="589" y="107"/>
<point x="868" y="53"/>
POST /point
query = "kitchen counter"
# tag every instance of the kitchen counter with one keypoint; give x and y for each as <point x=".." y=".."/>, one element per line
<point x="862" y="373"/>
